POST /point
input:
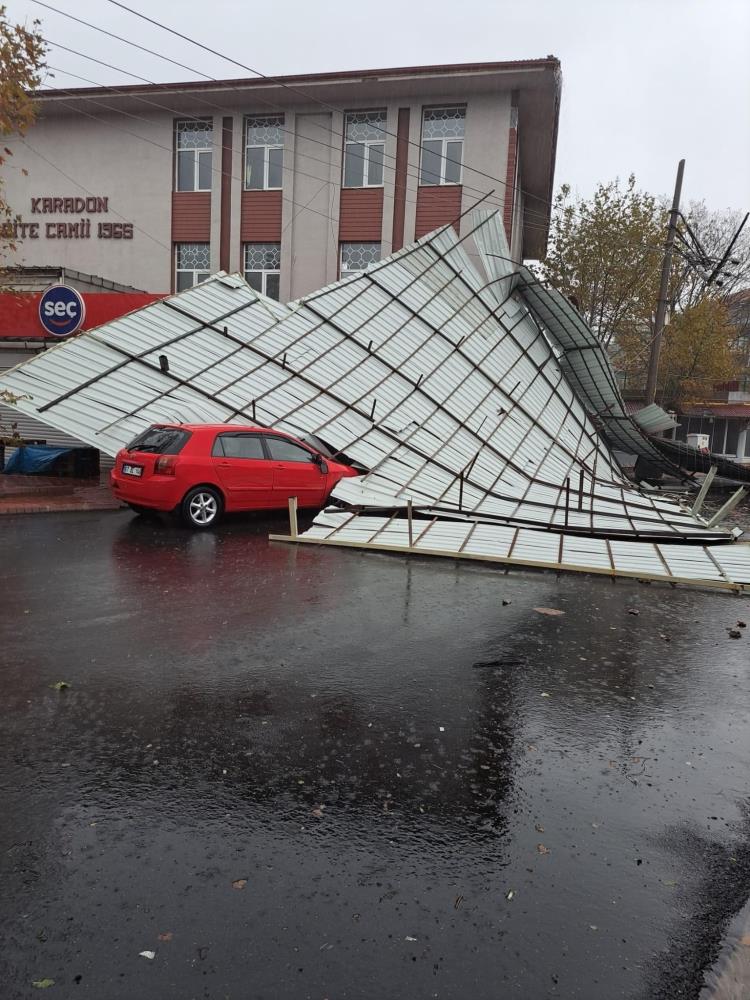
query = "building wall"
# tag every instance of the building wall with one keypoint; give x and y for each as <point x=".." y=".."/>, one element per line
<point x="131" y="164"/>
<point x="78" y="157"/>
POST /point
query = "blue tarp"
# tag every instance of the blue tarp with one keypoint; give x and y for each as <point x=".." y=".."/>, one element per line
<point x="30" y="459"/>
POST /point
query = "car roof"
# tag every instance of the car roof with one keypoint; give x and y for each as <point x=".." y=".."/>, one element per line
<point x="224" y="427"/>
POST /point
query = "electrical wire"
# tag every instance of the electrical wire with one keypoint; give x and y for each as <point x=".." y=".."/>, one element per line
<point x="297" y="90"/>
<point x="308" y="97"/>
<point x="210" y="142"/>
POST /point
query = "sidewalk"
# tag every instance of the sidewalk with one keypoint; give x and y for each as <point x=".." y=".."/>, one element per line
<point x="45" y="494"/>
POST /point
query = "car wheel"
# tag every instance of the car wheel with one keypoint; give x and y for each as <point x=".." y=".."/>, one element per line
<point x="136" y="508"/>
<point x="201" y="507"/>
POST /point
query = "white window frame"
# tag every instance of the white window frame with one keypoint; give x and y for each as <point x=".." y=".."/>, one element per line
<point x="208" y="148"/>
<point x="199" y="274"/>
<point x="264" y="272"/>
<point x="367" y="143"/>
<point x="345" y="271"/>
<point x="443" y="140"/>
<point x="266" y="155"/>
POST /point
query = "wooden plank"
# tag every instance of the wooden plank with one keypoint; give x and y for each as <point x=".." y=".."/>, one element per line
<point x="521" y="563"/>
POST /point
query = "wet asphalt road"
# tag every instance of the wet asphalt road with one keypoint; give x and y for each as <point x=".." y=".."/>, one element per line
<point x="381" y="749"/>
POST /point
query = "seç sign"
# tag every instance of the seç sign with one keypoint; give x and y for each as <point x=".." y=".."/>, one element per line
<point x="61" y="310"/>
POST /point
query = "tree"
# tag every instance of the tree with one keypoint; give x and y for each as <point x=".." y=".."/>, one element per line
<point x="696" y="352"/>
<point x="605" y="254"/>
<point x="22" y="53"/>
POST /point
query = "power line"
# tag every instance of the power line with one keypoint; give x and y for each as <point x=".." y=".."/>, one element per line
<point x="296" y="90"/>
<point x="84" y="188"/>
<point x="308" y="97"/>
<point x="224" y="110"/>
<point x="211" y="142"/>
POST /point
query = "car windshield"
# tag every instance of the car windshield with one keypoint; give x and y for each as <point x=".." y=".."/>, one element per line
<point x="160" y="441"/>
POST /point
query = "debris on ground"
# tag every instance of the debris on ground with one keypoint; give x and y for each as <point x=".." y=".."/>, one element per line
<point x="239" y="883"/>
<point x="166" y="936"/>
<point x="734" y="633"/>
<point x="147" y="954"/>
<point x="541" y="849"/>
<point x="59" y="685"/>
<point x="42" y="984"/>
<point x="549" y="611"/>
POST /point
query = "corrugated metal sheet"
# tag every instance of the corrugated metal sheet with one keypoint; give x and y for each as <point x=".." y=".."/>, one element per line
<point x="455" y="400"/>
<point x="586" y="366"/>
<point x="653" y="419"/>
<point x="28" y="427"/>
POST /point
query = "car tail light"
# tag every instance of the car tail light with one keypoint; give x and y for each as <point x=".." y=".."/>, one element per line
<point x="165" y="465"/>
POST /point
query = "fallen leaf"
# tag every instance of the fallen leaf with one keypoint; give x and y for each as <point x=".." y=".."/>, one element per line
<point x="546" y="695"/>
<point x="147" y="954"/>
<point x="239" y="883"/>
<point x="409" y="938"/>
<point x="510" y="894"/>
<point x="633" y="611"/>
<point x="541" y="849"/>
<point x="457" y="902"/>
<point x="549" y="611"/>
<point x="59" y="685"/>
<point x="593" y="927"/>
<point x="317" y="812"/>
<point x="505" y="603"/>
<point x="539" y="828"/>
<point x="166" y="936"/>
<point x="741" y="624"/>
<point x="43" y="984"/>
<point x="734" y="633"/>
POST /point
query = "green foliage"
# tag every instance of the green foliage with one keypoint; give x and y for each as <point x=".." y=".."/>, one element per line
<point x="605" y="254"/>
<point x="22" y="53"/>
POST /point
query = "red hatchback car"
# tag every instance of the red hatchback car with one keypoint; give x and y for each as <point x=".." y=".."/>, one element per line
<point x="203" y="470"/>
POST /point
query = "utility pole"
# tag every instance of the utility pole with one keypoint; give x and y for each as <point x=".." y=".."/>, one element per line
<point x="661" y="307"/>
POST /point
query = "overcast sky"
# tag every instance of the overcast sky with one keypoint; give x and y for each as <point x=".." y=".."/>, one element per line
<point x="645" y="82"/>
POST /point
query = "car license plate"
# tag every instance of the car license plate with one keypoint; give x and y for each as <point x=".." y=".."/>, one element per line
<point x="132" y="470"/>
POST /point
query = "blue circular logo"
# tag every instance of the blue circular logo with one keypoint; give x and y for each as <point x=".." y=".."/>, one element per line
<point x="61" y="310"/>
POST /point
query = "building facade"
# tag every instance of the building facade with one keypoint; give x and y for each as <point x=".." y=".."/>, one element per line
<point x="294" y="181"/>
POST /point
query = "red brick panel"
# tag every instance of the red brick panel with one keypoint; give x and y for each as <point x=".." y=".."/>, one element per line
<point x="436" y="205"/>
<point x="191" y="216"/>
<point x="399" y="186"/>
<point x="361" y="215"/>
<point x="260" y="219"/>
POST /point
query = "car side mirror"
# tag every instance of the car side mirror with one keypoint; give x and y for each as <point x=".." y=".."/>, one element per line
<point x="320" y="462"/>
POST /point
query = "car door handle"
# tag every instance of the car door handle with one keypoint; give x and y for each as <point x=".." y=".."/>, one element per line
<point x="226" y="465"/>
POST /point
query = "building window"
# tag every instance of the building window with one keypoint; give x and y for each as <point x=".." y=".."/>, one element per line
<point x="364" y="148"/>
<point x="356" y="257"/>
<point x="262" y="267"/>
<point x="193" y="144"/>
<point x="442" y="145"/>
<point x="192" y="264"/>
<point x="264" y="152"/>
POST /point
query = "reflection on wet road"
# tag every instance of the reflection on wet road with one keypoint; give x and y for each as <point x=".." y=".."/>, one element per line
<point x="428" y="792"/>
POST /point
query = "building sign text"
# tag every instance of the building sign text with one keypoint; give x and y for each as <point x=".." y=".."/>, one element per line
<point x="81" y="229"/>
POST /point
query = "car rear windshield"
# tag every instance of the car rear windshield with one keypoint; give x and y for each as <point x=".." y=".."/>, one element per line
<point x="160" y="441"/>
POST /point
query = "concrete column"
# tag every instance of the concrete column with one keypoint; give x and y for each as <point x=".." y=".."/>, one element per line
<point x="741" y="442"/>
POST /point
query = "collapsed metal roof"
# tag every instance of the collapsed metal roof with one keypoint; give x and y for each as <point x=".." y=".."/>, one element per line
<point x="459" y="392"/>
